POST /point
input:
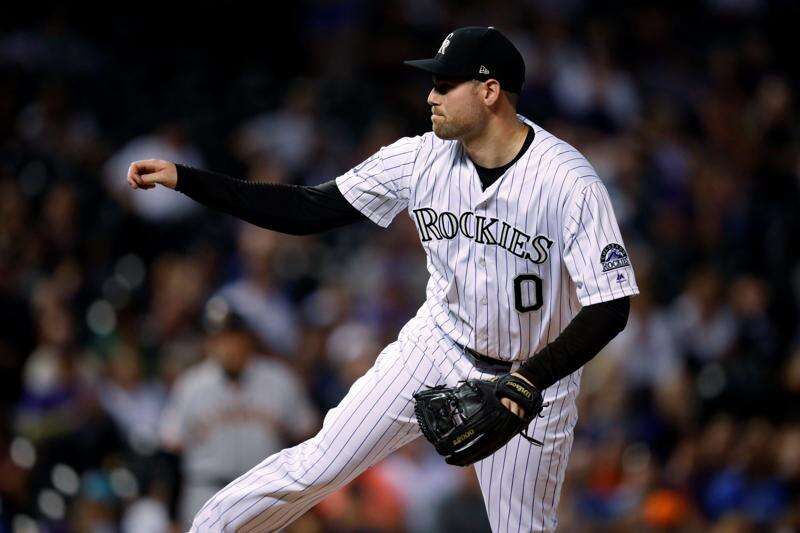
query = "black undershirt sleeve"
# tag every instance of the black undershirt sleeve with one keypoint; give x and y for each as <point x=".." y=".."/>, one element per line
<point x="292" y="209"/>
<point x="592" y="328"/>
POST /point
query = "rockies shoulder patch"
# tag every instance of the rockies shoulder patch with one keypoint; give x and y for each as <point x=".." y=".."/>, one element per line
<point x="614" y="256"/>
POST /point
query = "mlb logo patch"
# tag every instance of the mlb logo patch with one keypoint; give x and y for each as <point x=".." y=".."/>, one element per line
<point x="614" y="256"/>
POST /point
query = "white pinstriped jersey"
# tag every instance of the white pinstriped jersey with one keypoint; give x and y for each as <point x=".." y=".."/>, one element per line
<point x="510" y="266"/>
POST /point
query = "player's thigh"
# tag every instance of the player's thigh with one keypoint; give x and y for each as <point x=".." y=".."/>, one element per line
<point x="521" y="482"/>
<point x="373" y="419"/>
<point x="379" y="404"/>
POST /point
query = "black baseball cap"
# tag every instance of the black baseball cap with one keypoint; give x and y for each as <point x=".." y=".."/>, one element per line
<point x="480" y="53"/>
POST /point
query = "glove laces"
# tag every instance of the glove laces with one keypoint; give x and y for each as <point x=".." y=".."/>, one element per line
<point x="525" y="435"/>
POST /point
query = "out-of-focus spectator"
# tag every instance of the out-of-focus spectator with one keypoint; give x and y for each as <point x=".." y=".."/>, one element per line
<point x="704" y="324"/>
<point x="132" y="402"/>
<point x="286" y="134"/>
<point x="218" y="416"/>
<point x="254" y="294"/>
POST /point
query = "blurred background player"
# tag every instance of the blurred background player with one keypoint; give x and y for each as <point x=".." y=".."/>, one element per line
<point x="231" y="409"/>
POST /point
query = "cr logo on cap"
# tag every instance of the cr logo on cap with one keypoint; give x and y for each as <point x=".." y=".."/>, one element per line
<point x="445" y="44"/>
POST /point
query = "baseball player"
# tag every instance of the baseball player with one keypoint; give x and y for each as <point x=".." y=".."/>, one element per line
<point x="529" y="279"/>
<point x="218" y="417"/>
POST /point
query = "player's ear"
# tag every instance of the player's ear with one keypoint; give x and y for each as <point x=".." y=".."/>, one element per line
<point x="491" y="92"/>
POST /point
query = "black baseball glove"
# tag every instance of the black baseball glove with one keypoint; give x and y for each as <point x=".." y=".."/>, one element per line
<point x="467" y="423"/>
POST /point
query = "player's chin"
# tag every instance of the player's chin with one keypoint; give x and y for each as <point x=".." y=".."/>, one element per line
<point x="441" y="130"/>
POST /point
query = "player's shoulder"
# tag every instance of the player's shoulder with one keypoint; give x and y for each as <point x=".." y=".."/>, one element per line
<point x="425" y="142"/>
<point x="561" y="162"/>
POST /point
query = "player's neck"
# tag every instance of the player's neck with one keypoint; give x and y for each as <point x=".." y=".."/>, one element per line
<point x="497" y="144"/>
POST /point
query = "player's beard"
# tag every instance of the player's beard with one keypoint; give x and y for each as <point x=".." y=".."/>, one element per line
<point x="456" y="126"/>
<point x="448" y="129"/>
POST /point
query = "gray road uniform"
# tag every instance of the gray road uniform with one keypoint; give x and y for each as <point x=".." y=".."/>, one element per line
<point x="222" y="428"/>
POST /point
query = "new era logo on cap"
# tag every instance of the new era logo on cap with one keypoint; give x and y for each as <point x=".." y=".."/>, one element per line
<point x="483" y="70"/>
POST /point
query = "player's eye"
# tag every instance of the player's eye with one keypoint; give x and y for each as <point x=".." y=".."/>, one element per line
<point x="443" y="87"/>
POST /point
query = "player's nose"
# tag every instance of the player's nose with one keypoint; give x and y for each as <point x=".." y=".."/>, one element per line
<point x="433" y="98"/>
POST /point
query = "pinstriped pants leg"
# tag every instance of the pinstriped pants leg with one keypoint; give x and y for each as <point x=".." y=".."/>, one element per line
<point x="375" y="418"/>
<point x="521" y="483"/>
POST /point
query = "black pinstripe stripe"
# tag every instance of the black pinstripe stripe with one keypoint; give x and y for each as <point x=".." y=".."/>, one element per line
<point x="388" y="157"/>
<point x="471" y="249"/>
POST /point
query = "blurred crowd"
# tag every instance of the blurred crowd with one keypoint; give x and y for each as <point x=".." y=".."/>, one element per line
<point x="689" y="420"/>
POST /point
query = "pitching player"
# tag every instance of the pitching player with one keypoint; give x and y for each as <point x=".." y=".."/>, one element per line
<point x="529" y="275"/>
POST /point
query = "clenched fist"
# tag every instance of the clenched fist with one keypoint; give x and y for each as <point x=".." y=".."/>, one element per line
<point x="146" y="173"/>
